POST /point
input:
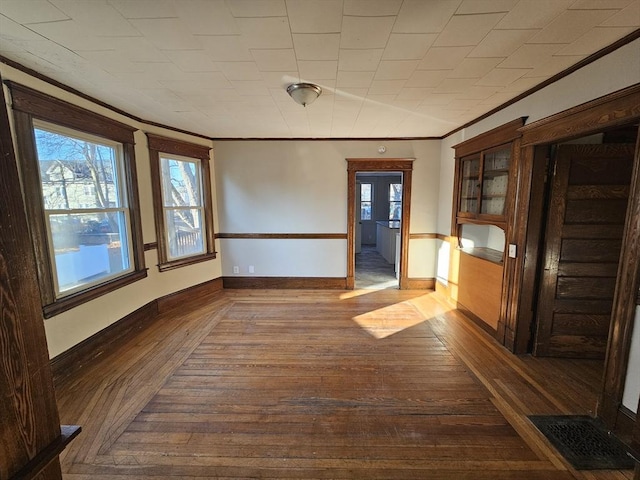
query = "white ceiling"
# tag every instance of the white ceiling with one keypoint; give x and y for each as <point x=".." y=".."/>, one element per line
<point x="388" y="68"/>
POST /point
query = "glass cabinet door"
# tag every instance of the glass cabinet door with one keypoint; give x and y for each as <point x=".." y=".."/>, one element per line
<point x="470" y="185"/>
<point x="495" y="179"/>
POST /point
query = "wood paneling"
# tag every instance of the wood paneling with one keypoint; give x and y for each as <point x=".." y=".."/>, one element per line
<point x="28" y="412"/>
<point x="194" y="295"/>
<point x="71" y="361"/>
<point x="420" y="283"/>
<point x="568" y="323"/>
<point x="480" y="288"/>
<point x="85" y="353"/>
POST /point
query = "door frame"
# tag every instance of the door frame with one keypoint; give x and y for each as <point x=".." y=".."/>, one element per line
<point x="355" y="165"/>
<point x="616" y="109"/>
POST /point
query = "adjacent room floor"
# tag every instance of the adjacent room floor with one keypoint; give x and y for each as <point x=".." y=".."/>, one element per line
<point x="318" y="384"/>
<point x="373" y="271"/>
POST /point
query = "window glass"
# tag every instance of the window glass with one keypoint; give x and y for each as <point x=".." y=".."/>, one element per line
<point x="365" y="201"/>
<point x="183" y="206"/>
<point x="86" y="211"/>
<point x="395" y="201"/>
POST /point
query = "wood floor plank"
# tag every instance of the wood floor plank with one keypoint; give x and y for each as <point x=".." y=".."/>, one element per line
<point x="315" y="384"/>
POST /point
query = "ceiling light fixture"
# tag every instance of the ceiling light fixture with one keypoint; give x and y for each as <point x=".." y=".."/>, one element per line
<point x="304" y="93"/>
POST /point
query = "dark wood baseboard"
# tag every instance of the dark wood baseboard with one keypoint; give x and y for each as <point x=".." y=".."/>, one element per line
<point x="477" y="320"/>
<point x="72" y="360"/>
<point x="419" y="283"/>
<point x="83" y="353"/>
<point x="625" y="423"/>
<point x="313" y="283"/>
<point x="195" y="294"/>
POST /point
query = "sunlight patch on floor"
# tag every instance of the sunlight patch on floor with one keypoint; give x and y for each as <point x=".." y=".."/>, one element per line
<point x="387" y="321"/>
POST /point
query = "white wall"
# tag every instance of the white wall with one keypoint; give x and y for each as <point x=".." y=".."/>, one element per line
<point x="73" y="326"/>
<point x="632" y="383"/>
<point x="613" y="72"/>
<point x="301" y="187"/>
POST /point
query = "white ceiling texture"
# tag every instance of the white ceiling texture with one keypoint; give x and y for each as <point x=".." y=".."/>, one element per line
<point x="388" y="68"/>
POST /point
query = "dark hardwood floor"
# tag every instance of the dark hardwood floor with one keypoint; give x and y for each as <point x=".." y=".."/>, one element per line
<point x="316" y="384"/>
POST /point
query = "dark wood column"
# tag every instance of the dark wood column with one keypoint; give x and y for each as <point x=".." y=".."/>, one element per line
<point x="30" y="437"/>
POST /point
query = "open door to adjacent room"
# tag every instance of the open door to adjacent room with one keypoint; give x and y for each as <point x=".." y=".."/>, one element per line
<point x="589" y="190"/>
<point x="399" y="205"/>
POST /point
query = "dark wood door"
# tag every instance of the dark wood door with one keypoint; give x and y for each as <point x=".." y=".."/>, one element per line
<point x="587" y="207"/>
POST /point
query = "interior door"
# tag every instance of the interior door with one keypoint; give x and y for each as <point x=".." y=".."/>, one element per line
<point x="586" y="216"/>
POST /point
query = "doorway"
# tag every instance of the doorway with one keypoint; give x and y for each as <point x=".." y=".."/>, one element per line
<point x="585" y="215"/>
<point x="584" y="209"/>
<point x="396" y="209"/>
<point x="378" y="213"/>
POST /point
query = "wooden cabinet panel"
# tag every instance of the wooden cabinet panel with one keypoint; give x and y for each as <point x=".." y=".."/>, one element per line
<point x="480" y="288"/>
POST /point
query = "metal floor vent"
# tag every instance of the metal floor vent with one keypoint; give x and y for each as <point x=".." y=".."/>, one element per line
<point x="583" y="442"/>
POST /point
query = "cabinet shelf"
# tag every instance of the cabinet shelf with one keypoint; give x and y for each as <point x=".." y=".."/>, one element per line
<point x="496" y="173"/>
<point x="487" y="173"/>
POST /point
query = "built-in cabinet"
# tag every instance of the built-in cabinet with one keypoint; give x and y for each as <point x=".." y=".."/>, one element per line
<point x="483" y="186"/>
<point x="482" y="199"/>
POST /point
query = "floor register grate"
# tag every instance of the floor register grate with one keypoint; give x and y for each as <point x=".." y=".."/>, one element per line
<point x="584" y="442"/>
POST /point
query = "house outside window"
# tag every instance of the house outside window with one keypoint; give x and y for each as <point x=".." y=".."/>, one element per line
<point x="182" y="202"/>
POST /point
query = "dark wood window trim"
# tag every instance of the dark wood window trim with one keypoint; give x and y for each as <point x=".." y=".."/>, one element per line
<point x="157" y="145"/>
<point x="29" y="104"/>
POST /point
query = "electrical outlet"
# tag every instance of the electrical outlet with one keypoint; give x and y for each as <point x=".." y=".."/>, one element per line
<point x="236" y="269"/>
<point x="512" y="250"/>
<point x="252" y="269"/>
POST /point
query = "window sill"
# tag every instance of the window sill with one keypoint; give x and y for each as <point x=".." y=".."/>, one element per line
<point x="183" y="262"/>
<point x="67" y="303"/>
